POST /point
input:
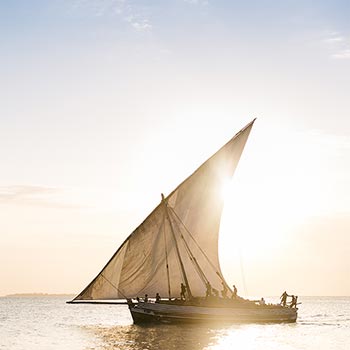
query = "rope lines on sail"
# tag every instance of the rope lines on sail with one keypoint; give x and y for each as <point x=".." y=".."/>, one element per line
<point x="182" y="268"/>
<point x="201" y="250"/>
<point x="115" y="287"/>
<point x="193" y="259"/>
<point x="166" y="257"/>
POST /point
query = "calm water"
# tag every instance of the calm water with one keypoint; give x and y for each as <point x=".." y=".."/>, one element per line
<point x="48" y="323"/>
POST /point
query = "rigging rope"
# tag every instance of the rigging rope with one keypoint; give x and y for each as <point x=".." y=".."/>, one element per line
<point x="182" y="268"/>
<point x="201" y="250"/>
<point x="117" y="289"/>
<point x="193" y="259"/>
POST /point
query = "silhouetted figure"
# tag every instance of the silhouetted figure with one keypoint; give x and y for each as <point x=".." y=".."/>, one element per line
<point x="183" y="292"/>
<point x="224" y="290"/>
<point x="138" y="299"/>
<point x="284" y="298"/>
<point x="157" y="298"/>
<point x="146" y="298"/>
<point x="209" y="290"/>
<point x="262" y="301"/>
<point x="294" y="301"/>
<point x="234" y="292"/>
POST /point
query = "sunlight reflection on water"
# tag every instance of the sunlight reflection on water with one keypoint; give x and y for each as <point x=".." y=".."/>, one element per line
<point x="193" y="337"/>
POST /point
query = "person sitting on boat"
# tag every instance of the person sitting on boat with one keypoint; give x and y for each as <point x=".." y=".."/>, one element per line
<point x="146" y="298"/>
<point x="157" y="298"/>
<point x="224" y="290"/>
<point x="209" y="290"/>
<point x="234" y="292"/>
<point x="284" y="298"/>
<point x="183" y="292"/>
<point x="262" y="301"/>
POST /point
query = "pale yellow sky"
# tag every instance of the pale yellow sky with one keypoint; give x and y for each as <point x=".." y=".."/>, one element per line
<point x="106" y="107"/>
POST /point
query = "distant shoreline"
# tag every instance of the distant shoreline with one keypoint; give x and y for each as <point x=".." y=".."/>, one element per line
<point x="72" y="295"/>
<point x="24" y="295"/>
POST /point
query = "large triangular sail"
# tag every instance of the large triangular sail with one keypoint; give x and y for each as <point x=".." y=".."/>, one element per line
<point x="178" y="242"/>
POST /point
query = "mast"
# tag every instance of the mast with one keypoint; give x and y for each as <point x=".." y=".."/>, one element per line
<point x="177" y="249"/>
<point x="166" y="259"/>
<point x="200" y="272"/>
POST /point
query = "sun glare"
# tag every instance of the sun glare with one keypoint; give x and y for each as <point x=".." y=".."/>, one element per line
<point x="226" y="189"/>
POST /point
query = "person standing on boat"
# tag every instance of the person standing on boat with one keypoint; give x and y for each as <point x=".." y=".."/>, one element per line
<point x="183" y="292"/>
<point x="224" y="290"/>
<point x="234" y="293"/>
<point x="208" y="292"/>
<point x="146" y="298"/>
<point x="157" y="298"/>
<point x="294" y="301"/>
<point x="284" y="298"/>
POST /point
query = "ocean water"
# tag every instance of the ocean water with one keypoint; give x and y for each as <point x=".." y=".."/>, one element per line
<point x="38" y="323"/>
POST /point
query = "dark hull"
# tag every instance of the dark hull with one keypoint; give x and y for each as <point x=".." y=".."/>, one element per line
<point x="166" y="313"/>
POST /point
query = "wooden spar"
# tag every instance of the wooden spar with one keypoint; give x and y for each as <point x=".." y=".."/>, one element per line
<point x="177" y="249"/>
<point x="166" y="260"/>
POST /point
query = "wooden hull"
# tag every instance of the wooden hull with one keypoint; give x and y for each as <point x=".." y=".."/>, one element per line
<point x="167" y="313"/>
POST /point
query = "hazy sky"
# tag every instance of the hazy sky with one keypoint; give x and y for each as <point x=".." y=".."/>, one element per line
<point x="106" y="104"/>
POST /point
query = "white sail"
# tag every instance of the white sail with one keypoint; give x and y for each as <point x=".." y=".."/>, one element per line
<point x="178" y="242"/>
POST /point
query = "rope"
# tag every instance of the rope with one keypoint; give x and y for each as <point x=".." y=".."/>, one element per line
<point x="116" y="288"/>
<point x="201" y="250"/>
<point x="182" y="268"/>
<point x="193" y="259"/>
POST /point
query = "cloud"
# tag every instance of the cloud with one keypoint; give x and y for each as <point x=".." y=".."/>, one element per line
<point x="28" y="195"/>
<point x="197" y="2"/>
<point x="344" y="54"/>
<point x="136" y="16"/>
<point x="99" y="7"/>
<point x="338" y="44"/>
<point x="139" y="23"/>
<point x="336" y="39"/>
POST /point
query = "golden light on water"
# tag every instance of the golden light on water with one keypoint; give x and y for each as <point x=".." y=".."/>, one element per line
<point x="250" y="337"/>
<point x="196" y="337"/>
<point x="242" y="338"/>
